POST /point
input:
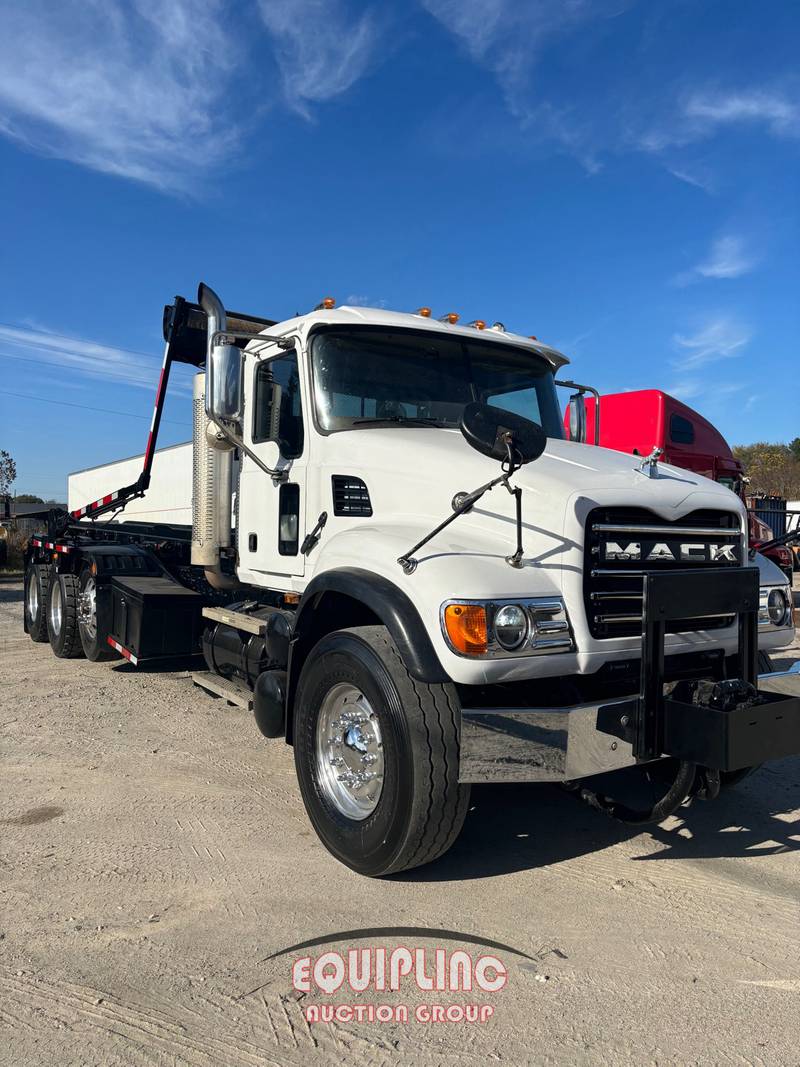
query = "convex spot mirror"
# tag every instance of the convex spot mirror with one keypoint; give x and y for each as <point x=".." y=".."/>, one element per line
<point x="489" y="430"/>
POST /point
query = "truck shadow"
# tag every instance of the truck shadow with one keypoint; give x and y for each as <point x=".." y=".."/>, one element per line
<point x="526" y="827"/>
<point x="11" y="591"/>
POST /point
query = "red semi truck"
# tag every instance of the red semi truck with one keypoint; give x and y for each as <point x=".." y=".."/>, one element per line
<point x="639" y="421"/>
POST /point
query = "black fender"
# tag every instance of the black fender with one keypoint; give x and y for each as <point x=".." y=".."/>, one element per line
<point x="381" y="599"/>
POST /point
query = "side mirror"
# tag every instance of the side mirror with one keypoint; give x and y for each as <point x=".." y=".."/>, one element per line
<point x="223" y="364"/>
<point x="492" y="431"/>
<point x="577" y="417"/>
<point x="224" y="384"/>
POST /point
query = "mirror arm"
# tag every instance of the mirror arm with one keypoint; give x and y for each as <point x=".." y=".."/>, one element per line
<point x="465" y="502"/>
<point x="516" y="559"/>
<point x="585" y="389"/>
<point x="276" y="473"/>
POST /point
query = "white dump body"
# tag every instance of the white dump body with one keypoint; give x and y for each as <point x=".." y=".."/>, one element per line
<point x="169" y="498"/>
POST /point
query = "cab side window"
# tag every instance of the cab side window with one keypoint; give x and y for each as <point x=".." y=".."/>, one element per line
<point x="278" y="414"/>
<point x="681" y="430"/>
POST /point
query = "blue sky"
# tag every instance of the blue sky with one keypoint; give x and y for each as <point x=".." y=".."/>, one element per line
<point x="618" y="178"/>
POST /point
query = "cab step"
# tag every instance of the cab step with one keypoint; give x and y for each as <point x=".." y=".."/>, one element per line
<point x="237" y="619"/>
<point x="232" y="692"/>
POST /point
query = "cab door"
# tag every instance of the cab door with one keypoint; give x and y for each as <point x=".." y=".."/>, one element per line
<point x="271" y="513"/>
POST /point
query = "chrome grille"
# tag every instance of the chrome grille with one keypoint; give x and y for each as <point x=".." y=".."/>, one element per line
<point x="612" y="587"/>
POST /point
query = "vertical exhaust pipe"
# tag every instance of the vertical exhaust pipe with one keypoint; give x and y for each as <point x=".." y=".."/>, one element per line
<point x="212" y="462"/>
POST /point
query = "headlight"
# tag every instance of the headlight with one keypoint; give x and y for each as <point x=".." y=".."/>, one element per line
<point x="503" y="628"/>
<point x="774" y="608"/>
<point x="510" y="626"/>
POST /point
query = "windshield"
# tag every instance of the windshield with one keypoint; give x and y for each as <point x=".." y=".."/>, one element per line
<point x="366" y="377"/>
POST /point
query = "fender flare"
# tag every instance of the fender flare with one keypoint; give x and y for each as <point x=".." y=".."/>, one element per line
<point x="393" y="608"/>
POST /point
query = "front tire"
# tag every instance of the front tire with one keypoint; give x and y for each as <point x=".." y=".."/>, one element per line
<point x="62" y="616"/>
<point x="376" y="753"/>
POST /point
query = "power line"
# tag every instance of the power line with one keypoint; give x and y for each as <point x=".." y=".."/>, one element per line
<point x="86" y="407"/>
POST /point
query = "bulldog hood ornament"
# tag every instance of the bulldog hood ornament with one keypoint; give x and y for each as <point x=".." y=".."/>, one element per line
<point x="649" y="464"/>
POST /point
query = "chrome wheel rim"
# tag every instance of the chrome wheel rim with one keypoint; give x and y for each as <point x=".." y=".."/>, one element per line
<point x="349" y="752"/>
<point x="33" y="596"/>
<point x="87" y="609"/>
<point x="56" y="612"/>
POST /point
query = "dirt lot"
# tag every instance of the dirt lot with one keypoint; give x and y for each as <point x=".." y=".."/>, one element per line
<point x="155" y="852"/>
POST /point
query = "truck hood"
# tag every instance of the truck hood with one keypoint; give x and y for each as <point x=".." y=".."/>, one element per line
<point x="414" y="474"/>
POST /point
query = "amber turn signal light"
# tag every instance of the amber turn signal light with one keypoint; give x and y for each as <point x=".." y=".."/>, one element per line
<point x="466" y="628"/>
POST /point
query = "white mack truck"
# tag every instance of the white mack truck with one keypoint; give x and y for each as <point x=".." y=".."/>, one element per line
<point x="397" y="561"/>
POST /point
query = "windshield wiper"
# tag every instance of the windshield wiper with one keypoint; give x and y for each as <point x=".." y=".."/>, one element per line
<point x="405" y="420"/>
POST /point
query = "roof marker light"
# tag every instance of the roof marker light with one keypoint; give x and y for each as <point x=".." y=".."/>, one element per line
<point x="425" y="312"/>
<point x="326" y="304"/>
<point x="450" y="317"/>
<point x="498" y="326"/>
<point x="479" y="324"/>
<point x="533" y="337"/>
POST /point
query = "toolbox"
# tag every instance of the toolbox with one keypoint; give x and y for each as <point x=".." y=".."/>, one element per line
<point x="153" y="616"/>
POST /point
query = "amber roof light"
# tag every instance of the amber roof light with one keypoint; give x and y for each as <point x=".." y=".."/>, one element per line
<point x="326" y="304"/>
<point x="450" y="317"/>
<point x="424" y="312"/>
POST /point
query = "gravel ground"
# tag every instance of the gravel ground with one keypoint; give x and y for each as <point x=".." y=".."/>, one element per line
<point x="155" y="852"/>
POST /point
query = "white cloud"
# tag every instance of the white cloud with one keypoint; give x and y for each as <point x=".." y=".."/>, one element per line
<point x="321" y="49"/>
<point x="728" y="257"/>
<point x="774" y="109"/>
<point x="506" y="37"/>
<point x="154" y="93"/>
<point x="111" y="365"/>
<point x="685" y="390"/>
<point x="702" y="113"/>
<point x="132" y="89"/>
<point x="700" y="178"/>
<point x="717" y="338"/>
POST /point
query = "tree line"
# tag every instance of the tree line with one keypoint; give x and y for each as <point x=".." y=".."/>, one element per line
<point x="773" y="469"/>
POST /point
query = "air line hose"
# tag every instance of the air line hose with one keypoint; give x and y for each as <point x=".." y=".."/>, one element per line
<point x="675" y="796"/>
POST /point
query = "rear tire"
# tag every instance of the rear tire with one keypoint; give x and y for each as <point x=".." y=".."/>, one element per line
<point x="62" y="616"/>
<point x="360" y="713"/>
<point x="37" y="587"/>
<point x="93" y="619"/>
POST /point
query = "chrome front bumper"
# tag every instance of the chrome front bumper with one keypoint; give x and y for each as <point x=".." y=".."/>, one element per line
<point x="560" y="744"/>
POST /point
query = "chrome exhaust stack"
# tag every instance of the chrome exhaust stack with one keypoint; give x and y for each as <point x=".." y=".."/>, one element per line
<point x="216" y="391"/>
<point x="212" y="485"/>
